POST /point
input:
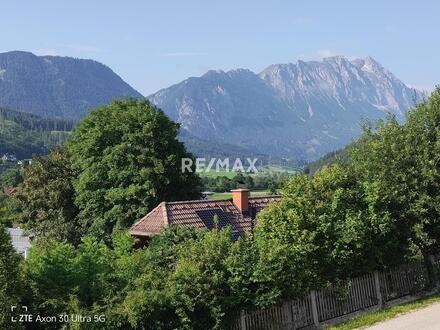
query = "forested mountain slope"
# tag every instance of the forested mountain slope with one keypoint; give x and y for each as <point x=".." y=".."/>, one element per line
<point x="57" y="87"/>
<point x="24" y="135"/>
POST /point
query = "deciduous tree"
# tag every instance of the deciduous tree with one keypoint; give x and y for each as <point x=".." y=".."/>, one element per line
<point x="399" y="166"/>
<point x="11" y="284"/>
<point x="46" y="199"/>
<point x="319" y="232"/>
<point x="128" y="159"/>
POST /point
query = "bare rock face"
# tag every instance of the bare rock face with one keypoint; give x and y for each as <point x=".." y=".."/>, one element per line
<point x="300" y="110"/>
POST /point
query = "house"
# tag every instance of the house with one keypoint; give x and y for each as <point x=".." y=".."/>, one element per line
<point x="24" y="162"/>
<point x="9" y="158"/>
<point x="207" y="194"/>
<point x="20" y="242"/>
<point x="239" y="213"/>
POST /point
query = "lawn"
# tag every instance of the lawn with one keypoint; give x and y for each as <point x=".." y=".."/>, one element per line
<point x="379" y="316"/>
<point x="227" y="195"/>
<point x="277" y="169"/>
<point x="221" y="196"/>
<point x="215" y="174"/>
<point x="264" y="170"/>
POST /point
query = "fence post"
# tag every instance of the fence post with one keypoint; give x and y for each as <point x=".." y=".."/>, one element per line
<point x="288" y="313"/>
<point x="242" y="320"/>
<point x="378" y="292"/>
<point x="435" y="271"/>
<point x="314" y="308"/>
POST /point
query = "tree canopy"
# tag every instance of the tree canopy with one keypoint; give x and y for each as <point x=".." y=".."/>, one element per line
<point x="321" y="231"/>
<point x="179" y="282"/>
<point x="128" y="160"/>
<point x="399" y="166"/>
<point x="46" y="199"/>
<point x="11" y="285"/>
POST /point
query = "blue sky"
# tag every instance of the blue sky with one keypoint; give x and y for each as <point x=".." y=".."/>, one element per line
<point x="153" y="44"/>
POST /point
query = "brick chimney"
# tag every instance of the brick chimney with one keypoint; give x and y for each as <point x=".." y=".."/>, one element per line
<point x="240" y="197"/>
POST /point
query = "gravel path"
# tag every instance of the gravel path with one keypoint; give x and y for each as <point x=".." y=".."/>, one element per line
<point x="427" y="318"/>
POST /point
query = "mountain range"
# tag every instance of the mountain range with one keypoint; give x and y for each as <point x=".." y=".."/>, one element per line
<point x="300" y="110"/>
<point x="57" y="87"/>
<point x="297" y="110"/>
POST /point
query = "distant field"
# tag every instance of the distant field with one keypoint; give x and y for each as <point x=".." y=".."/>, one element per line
<point x="215" y="174"/>
<point x="263" y="170"/>
<point x="227" y="195"/>
<point x="221" y="196"/>
<point x="277" y="169"/>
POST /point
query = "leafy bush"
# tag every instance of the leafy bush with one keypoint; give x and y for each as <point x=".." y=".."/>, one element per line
<point x="11" y="281"/>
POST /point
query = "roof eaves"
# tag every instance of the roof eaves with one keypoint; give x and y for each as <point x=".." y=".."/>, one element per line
<point x="141" y="233"/>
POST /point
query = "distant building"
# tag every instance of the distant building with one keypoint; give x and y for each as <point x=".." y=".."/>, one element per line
<point x="20" y="242"/>
<point x="207" y="194"/>
<point x="239" y="213"/>
<point x="9" y="158"/>
<point x="25" y="162"/>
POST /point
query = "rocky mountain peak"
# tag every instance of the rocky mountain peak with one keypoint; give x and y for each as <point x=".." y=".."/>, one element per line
<point x="299" y="110"/>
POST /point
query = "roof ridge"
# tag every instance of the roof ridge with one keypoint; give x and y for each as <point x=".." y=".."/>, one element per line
<point x="194" y="201"/>
<point x="269" y="196"/>
<point x="146" y="215"/>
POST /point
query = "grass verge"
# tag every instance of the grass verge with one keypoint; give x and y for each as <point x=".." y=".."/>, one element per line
<point x="366" y="320"/>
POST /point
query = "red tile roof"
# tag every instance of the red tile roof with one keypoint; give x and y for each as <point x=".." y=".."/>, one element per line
<point x="200" y="214"/>
<point x="9" y="191"/>
<point x="260" y="203"/>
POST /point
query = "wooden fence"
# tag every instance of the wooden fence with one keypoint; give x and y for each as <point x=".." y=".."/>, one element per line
<point x="335" y="304"/>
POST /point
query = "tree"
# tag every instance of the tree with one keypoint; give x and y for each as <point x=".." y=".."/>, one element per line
<point x="8" y="210"/>
<point x="88" y="279"/>
<point x="11" y="177"/>
<point x="50" y="272"/>
<point x="129" y="159"/>
<point x="185" y="282"/>
<point x="11" y="284"/>
<point x="46" y="199"/>
<point x="148" y="304"/>
<point x="399" y="166"/>
<point x="319" y="232"/>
